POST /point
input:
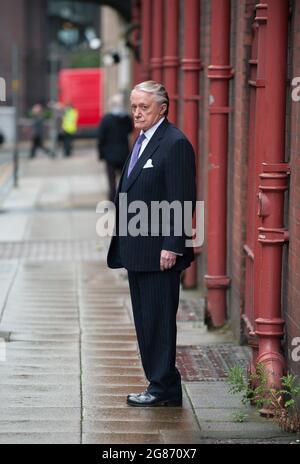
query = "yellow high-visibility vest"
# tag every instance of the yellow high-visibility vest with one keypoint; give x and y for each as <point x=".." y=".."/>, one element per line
<point x="69" y="121"/>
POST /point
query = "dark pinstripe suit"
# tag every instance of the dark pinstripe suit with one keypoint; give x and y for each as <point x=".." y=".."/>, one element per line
<point x="155" y="293"/>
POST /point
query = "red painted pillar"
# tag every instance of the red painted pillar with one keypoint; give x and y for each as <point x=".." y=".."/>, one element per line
<point x="136" y="20"/>
<point x="273" y="184"/>
<point x="250" y="307"/>
<point x="219" y="73"/>
<point x="258" y="146"/>
<point x="156" y="61"/>
<point x="191" y="66"/>
<point x="146" y="39"/>
<point x="171" y="59"/>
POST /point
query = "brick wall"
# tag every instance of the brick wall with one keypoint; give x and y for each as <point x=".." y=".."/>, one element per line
<point x="242" y="18"/>
<point x="205" y="11"/>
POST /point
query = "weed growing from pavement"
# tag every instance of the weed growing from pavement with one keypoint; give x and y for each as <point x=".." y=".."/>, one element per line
<point x="257" y="391"/>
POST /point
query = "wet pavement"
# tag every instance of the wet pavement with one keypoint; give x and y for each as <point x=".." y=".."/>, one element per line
<point x="71" y="355"/>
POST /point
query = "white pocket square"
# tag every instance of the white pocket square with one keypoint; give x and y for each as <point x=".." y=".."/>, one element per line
<point x="148" y="164"/>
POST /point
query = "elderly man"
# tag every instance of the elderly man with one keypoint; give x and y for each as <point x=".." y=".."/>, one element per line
<point x="161" y="168"/>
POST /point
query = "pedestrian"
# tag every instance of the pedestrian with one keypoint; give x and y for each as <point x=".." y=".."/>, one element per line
<point x="57" y="110"/>
<point x="37" y="130"/>
<point x="2" y="138"/>
<point x="161" y="168"/>
<point x="113" y="142"/>
<point x="69" y="127"/>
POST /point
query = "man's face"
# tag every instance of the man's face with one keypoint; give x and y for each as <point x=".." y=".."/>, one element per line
<point x="146" y="110"/>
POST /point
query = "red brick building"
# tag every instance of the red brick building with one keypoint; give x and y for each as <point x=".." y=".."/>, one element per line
<point x="229" y="69"/>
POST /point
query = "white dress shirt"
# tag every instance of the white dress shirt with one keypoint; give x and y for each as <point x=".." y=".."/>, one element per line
<point x="148" y="134"/>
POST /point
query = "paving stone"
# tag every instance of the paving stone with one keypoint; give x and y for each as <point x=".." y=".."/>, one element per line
<point x="43" y="336"/>
<point x="28" y="369"/>
<point x="48" y="329"/>
<point x="183" y="438"/>
<point x="121" y="339"/>
<point x="136" y="414"/>
<point x="224" y="414"/>
<point x="100" y="349"/>
<point x="40" y="414"/>
<point x="245" y="441"/>
<point x="226" y="430"/>
<point x="101" y="332"/>
<point x="40" y="426"/>
<point x="39" y="438"/>
<point x="121" y="438"/>
<point x="116" y="362"/>
<point x="33" y="399"/>
<point x="153" y="426"/>
<point x="39" y="379"/>
<point x="113" y="371"/>
<point x="114" y="380"/>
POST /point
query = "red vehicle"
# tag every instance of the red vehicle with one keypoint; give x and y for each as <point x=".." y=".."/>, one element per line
<point x="83" y="87"/>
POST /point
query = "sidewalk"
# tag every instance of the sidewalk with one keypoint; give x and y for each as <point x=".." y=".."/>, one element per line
<point x="71" y="352"/>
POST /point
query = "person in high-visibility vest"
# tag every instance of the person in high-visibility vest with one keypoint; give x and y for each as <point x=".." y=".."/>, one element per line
<point x="69" y="127"/>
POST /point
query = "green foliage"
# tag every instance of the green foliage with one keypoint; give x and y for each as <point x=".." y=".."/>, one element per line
<point x="239" y="416"/>
<point x="256" y="390"/>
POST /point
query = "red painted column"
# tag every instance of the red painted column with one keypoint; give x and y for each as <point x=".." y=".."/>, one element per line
<point x="250" y="307"/>
<point x="156" y="61"/>
<point x="170" y="58"/>
<point x="191" y="66"/>
<point x="258" y="146"/>
<point x="273" y="183"/>
<point x="219" y="73"/>
<point x="146" y="39"/>
<point x="136" y="20"/>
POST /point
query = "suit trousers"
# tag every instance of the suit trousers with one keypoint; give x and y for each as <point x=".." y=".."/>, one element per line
<point x="155" y="298"/>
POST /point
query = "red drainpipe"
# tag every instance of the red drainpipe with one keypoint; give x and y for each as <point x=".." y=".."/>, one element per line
<point x="171" y="59"/>
<point x="146" y="39"/>
<point x="251" y="289"/>
<point x="191" y="66"/>
<point x="258" y="147"/>
<point x="136" y="20"/>
<point x="156" y="61"/>
<point x="219" y="73"/>
<point x="273" y="183"/>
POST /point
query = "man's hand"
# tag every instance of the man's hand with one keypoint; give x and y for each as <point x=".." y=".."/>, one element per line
<point x="167" y="260"/>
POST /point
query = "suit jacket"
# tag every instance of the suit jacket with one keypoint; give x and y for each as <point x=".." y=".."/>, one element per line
<point x="172" y="178"/>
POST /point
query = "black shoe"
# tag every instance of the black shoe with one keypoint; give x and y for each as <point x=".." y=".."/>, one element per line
<point x="145" y="399"/>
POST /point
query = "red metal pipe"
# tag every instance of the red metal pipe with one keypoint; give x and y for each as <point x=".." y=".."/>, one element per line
<point x="191" y="66"/>
<point x="146" y="39"/>
<point x="250" y="309"/>
<point x="156" y="61"/>
<point x="219" y="73"/>
<point x="136" y="20"/>
<point x="259" y="147"/>
<point x="273" y="184"/>
<point x="170" y="58"/>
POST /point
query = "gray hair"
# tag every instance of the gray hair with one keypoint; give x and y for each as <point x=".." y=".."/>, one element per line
<point x="157" y="89"/>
